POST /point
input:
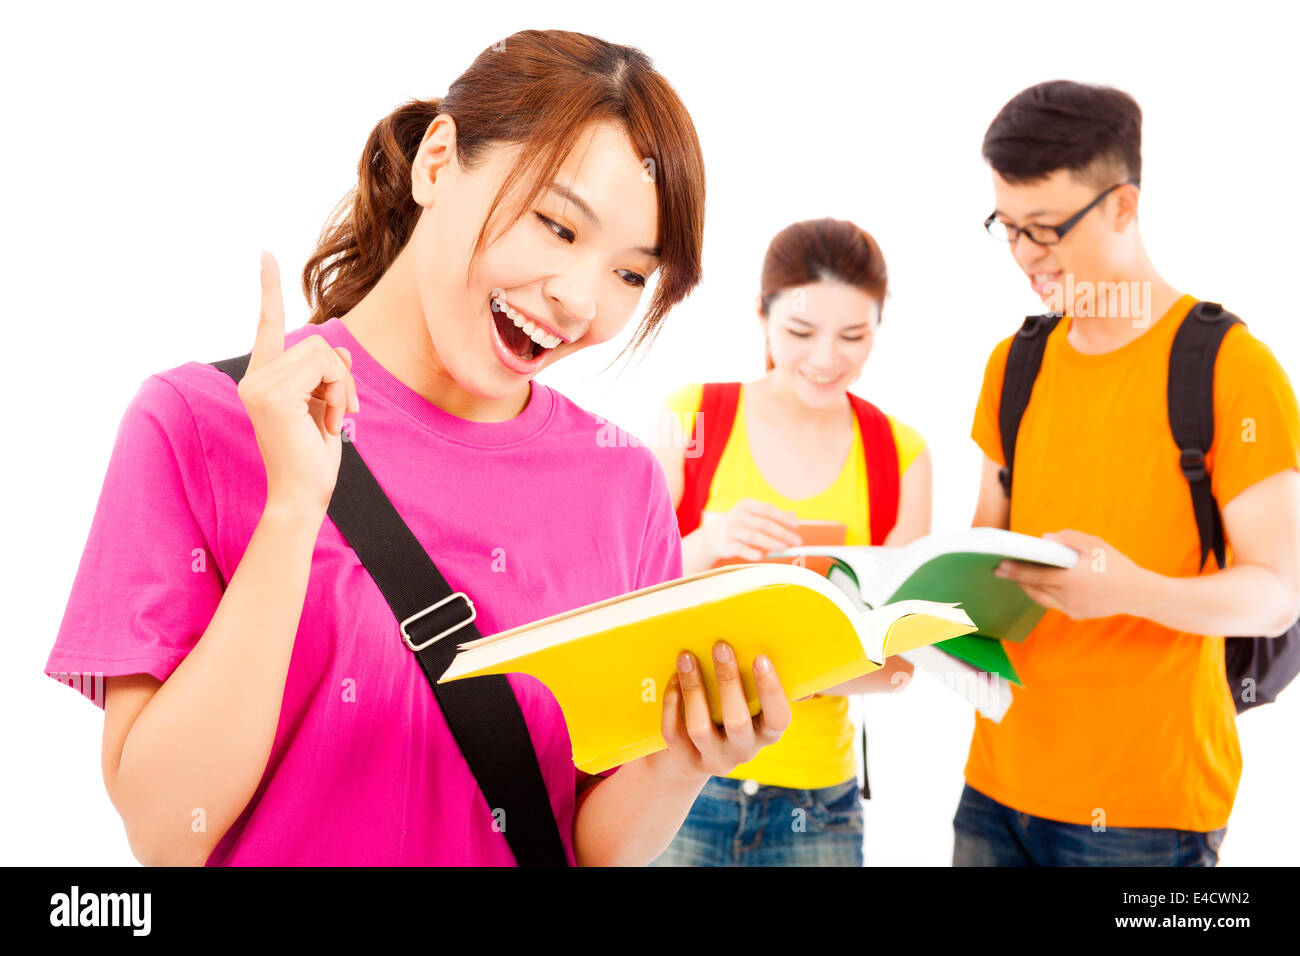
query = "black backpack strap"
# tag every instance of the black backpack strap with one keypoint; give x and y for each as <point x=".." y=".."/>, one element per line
<point x="1191" y="413"/>
<point x="1264" y="664"/>
<point x="234" y="367"/>
<point x="482" y="712"/>
<point x="1024" y="359"/>
<point x="866" y="782"/>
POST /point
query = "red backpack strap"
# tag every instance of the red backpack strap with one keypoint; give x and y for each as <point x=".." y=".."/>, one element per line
<point x="881" y="456"/>
<point x="709" y="433"/>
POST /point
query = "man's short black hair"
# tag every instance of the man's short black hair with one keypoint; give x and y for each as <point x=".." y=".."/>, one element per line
<point x="1093" y="131"/>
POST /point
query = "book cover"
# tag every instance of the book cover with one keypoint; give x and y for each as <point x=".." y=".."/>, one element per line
<point x="608" y="663"/>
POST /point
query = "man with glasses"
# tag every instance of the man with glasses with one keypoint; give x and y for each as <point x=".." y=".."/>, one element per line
<point x="1121" y="746"/>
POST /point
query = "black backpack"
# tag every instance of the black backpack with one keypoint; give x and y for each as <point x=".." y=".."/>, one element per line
<point x="1258" y="668"/>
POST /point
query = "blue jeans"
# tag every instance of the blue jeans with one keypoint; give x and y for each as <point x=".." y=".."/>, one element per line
<point x="988" y="833"/>
<point x="774" y="826"/>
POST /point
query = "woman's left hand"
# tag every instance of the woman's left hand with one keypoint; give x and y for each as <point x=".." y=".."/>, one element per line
<point x="698" y="748"/>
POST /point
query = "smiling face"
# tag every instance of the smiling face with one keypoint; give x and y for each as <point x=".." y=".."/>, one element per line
<point x="1096" y="249"/>
<point x="819" y="335"/>
<point x="570" y="270"/>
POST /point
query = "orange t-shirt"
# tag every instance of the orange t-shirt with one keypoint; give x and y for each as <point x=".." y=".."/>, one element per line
<point x="1121" y="720"/>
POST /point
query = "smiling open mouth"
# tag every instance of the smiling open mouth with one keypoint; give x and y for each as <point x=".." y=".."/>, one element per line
<point x="514" y="337"/>
<point x="516" y="334"/>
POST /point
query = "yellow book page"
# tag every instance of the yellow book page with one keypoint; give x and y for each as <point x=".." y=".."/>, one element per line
<point x="919" y="630"/>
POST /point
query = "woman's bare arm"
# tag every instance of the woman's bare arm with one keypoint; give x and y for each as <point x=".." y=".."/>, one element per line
<point x="181" y="759"/>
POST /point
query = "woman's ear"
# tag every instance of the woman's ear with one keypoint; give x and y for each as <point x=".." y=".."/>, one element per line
<point x="767" y="341"/>
<point x="758" y="305"/>
<point x="437" y="150"/>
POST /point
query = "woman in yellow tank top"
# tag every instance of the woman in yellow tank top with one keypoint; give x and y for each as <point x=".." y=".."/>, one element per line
<point x="795" y="453"/>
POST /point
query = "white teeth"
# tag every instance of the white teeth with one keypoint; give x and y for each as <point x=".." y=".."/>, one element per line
<point x="531" y="329"/>
<point x="820" y="380"/>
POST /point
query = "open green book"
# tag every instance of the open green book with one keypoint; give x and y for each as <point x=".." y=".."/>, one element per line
<point x="951" y="566"/>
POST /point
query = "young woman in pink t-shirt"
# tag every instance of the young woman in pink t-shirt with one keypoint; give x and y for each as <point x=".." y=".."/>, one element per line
<point x="260" y="707"/>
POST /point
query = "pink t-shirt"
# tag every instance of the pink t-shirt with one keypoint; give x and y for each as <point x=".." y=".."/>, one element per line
<point x="530" y="517"/>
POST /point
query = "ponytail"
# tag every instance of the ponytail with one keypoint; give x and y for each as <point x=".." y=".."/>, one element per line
<point x="373" y="222"/>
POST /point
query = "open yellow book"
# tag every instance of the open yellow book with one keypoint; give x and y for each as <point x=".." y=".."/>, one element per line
<point x="608" y="663"/>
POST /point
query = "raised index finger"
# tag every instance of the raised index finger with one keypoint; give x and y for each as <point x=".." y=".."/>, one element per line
<point x="270" y="324"/>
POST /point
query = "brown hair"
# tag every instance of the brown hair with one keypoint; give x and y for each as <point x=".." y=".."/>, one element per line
<point x="541" y="89"/>
<point x="1095" y="131"/>
<point x="822" y="250"/>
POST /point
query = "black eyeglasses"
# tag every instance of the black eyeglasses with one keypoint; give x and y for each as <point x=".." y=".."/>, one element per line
<point x="1041" y="234"/>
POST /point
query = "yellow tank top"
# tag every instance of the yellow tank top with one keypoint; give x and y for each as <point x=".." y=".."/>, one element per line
<point x="816" y="750"/>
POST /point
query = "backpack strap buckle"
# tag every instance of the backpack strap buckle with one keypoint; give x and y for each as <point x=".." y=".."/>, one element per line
<point x="406" y="637"/>
<point x="1192" y="462"/>
<point x="1004" y="479"/>
<point x="1209" y="311"/>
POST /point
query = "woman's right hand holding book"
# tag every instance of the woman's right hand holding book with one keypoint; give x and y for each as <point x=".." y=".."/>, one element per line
<point x="699" y="748"/>
<point x="296" y="400"/>
<point x="750" y="530"/>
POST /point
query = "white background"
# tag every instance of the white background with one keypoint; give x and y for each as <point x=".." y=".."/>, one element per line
<point x="152" y="151"/>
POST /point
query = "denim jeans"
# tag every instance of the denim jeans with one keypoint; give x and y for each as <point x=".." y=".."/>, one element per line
<point x="988" y="833"/>
<point x="774" y="826"/>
